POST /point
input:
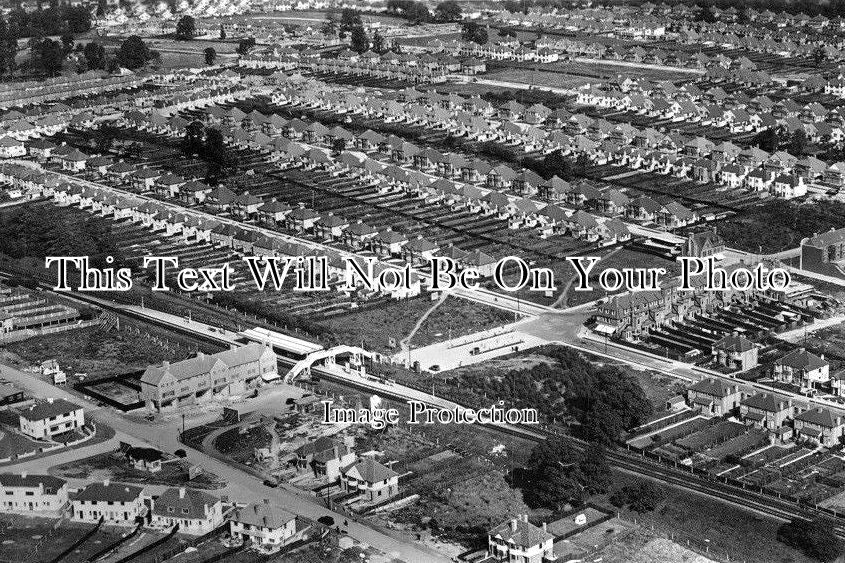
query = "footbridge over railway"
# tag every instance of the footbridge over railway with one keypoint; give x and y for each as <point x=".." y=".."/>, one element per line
<point x="328" y="358"/>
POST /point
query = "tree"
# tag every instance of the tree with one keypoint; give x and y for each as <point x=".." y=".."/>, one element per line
<point x="67" y="42"/>
<point x="642" y="496"/>
<point x="813" y="538"/>
<point x="768" y="140"/>
<point x="556" y="487"/>
<point x="222" y="32"/>
<point x="359" y="42"/>
<point x="555" y="164"/>
<point x="418" y="13"/>
<point x="194" y="136"/>
<point x="595" y="470"/>
<point x="819" y="55"/>
<point x="78" y="18"/>
<point x="350" y="19"/>
<point x="471" y="31"/>
<point x="102" y="7"/>
<point x="246" y="45"/>
<point x="448" y="11"/>
<point x="378" y="43"/>
<point x="798" y="143"/>
<point x="4" y="32"/>
<point x="95" y="56"/>
<point x="210" y="55"/>
<point x="133" y="53"/>
<point x="48" y="55"/>
<point x="186" y="28"/>
<point x="329" y="27"/>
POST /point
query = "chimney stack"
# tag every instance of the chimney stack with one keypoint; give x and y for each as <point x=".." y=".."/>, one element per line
<point x="513" y="525"/>
<point x="181" y="492"/>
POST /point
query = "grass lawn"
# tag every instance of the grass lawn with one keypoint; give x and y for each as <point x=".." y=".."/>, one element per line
<point x="396" y="319"/>
<point x="173" y="473"/>
<point x="457" y="317"/>
<point x="36" y="539"/>
<point x="95" y="352"/>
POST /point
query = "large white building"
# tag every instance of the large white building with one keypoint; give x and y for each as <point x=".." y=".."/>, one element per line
<point x="37" y="494"/>
<point x="45" y="419"/>
<point x="203" y="377"/>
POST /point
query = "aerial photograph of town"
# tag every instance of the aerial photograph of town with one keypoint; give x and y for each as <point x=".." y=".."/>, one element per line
<point x="422" y="281"/>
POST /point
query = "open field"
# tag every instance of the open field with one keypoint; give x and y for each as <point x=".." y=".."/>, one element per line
<point x="96" y="352"/>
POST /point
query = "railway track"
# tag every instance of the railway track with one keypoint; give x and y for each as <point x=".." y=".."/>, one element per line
<point x="747" y="498"/>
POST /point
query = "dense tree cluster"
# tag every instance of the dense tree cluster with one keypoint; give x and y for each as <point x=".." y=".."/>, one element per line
<point x="411" y="10"/>
<point x="473" y="32"/>
<point x="557" y="475"/>
<point x="38" y="232"/>
<point x="814" y="538"/>
<point x="47" y="56"/>
<point x="246" y="45"/>
<point x="210" y="55"/>
<point x="95" y="56"/>
<point x="751" y="230"/>
<point x="641" y="496"/>
<point x="134" y="53"/>
<point x="208" y="143"/>
<point x="50" y="21"/>
<point x="600" y="402"/>
<point x="186" y="28"/>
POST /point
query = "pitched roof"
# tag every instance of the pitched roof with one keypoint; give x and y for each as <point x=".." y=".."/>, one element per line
<point x="31" y="481"/>
<point x="370" y="471"/>
<point x="801" y="359"/>
<point x="114" y="492"/>
<point x="820" y="416"/>
<point x="521" y="533"/>
<point x="47" y="409"/>
<point x="185" y="503"/>
<point x="262" y="514"/>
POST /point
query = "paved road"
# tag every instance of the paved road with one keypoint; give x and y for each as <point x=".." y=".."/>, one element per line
<point x="241" y="487"/>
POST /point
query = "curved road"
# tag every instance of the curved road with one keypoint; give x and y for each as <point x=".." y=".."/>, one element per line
<point x="241" y="487"/>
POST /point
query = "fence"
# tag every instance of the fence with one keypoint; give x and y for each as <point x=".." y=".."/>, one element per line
<point x="115" y="544"/>
<point x="70" y="549"/>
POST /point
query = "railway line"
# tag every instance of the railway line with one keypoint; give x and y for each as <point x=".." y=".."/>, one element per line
<point x="747" y="498"/>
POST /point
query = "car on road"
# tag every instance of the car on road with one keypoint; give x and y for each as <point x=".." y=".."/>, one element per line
<point x="271" y="482"/>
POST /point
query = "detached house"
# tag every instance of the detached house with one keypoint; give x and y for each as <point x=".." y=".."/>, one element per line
<point x="517" y="540"/>
<point x="264" y="525"/>
<point x="325" y="457"/>
<point x="374" y="481"/>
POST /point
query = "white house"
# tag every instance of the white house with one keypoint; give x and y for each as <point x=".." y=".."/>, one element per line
<point x="196" y="512"/>
<point x="45" y="419"/>
<point x="263" y="525"/>
<point x="115" y="503"/>
<point x="40" y="494"/>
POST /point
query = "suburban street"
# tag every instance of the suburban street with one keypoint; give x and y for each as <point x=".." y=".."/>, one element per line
<point x="241" y="487"/>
